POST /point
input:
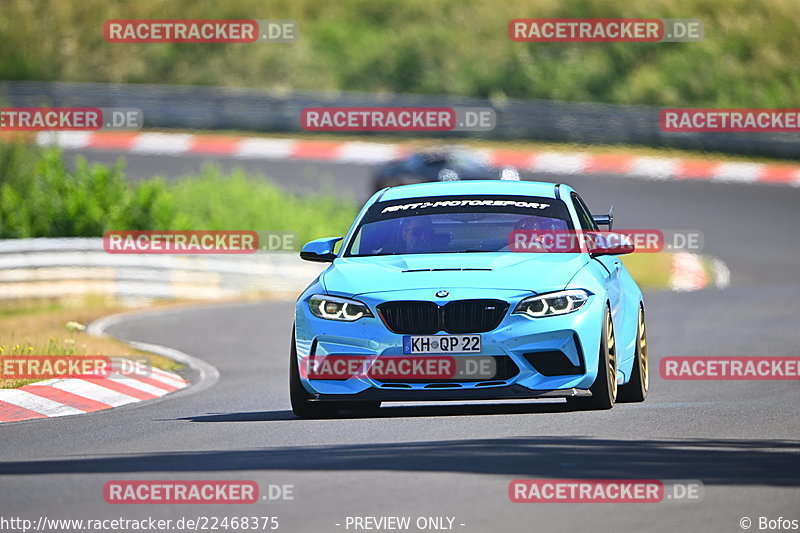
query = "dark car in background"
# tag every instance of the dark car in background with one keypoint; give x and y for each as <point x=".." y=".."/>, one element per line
<point x="439" y="164"/>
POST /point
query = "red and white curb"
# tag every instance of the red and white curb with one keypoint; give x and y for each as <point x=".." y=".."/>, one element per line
<point x="63" y="397"/>
<point x="655" y="168"/>
<point x="688" y="273"/>
<point x="73" y="396"/>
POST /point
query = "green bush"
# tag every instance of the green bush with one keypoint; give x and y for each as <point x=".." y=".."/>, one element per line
<point x="41" y="197"/>
<point x="46" y="199"/>
<point x="215" y="201"/>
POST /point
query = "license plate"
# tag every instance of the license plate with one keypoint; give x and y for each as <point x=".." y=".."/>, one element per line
<point x="413" y="344"/>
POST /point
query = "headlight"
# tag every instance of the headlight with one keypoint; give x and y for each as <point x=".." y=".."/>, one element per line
<point x="336" y="308"/>
<point x="554" y="303"/>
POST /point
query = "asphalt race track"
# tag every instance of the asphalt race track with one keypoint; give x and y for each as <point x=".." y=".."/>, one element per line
<point x="741" y="439"/>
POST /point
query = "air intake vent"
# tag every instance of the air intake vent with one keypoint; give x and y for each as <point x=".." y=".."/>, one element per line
<point x="554" y="363"/>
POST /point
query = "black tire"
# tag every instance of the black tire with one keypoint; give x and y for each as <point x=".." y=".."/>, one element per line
<point x="636" y="389"/>
<point x="604" y="388"/>
<point x="299" y="396"/>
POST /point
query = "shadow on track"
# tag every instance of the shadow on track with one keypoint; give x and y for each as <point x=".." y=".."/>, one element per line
<point x="396" y="412"/>
<point x="715" y="462"/>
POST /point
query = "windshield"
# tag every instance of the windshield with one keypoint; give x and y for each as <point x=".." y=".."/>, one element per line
<point x="456" y="224"/>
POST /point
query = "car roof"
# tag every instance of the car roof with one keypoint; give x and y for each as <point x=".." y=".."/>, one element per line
<point x="502" y="187"/>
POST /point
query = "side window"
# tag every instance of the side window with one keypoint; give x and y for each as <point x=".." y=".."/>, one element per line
<point x="584" y="216"/>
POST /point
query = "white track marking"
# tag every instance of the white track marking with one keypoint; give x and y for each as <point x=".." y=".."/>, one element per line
<point x="356" y="152"/>
<point x="559" y="163"/>
<point x="142" y="386"/>
<point x="95" y="392"/>
<point x="655" y="168"/>
<point x="64" y="139"/>
<point x="36" y="403"/>
<point x="738" y="172"/>
<point x="265" y="148"/>
<point x="162" y="143"/>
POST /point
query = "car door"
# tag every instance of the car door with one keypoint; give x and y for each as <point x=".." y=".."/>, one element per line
<point x="611" y="263"/>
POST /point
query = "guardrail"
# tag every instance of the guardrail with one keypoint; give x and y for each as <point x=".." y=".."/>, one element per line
<point x="213" y="108"/>
<point x="50" y="268"/>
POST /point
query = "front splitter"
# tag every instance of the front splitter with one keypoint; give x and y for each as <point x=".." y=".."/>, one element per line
<point x="512" y="392"/>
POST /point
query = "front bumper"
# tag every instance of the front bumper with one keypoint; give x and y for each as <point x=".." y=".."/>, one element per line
<point x="524" y="341"/>
<point x="509" y="392"/>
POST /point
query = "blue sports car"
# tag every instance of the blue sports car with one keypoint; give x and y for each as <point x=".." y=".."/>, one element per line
<point x="427" y="298"/>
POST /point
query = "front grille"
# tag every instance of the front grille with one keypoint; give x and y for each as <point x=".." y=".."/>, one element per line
<point x="427" y="318"/>
<point x="412" y="318"/>
<point x="473" y="316"/>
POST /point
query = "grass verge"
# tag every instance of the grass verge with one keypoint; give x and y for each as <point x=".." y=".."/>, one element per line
<point x="654" y="271"/>
<point x="54" y="328"/>
<point x="651" y="271"/>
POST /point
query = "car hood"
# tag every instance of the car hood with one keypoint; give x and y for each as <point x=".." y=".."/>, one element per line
<point x="519" y="271"/>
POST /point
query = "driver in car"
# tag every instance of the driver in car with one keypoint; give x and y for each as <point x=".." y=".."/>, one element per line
<point x="416" y="235"/>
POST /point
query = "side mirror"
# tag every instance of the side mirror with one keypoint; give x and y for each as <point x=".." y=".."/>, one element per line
<point x="320" y="250"/>
<point x="609" y="243"/>
<point x="605" y="220"/>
